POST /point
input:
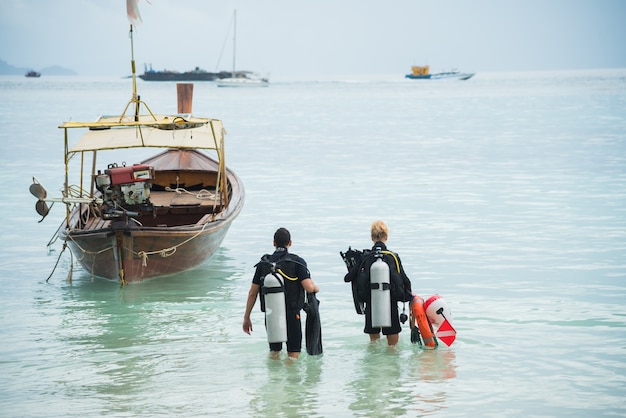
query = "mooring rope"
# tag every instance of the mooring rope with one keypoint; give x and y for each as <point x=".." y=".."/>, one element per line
<point x="84" y="251"/>
<point x="165" y="252"/>
<point x="144" y="255"/>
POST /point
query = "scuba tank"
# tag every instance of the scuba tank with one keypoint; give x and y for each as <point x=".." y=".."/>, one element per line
<point x="380" y="294"/>
<point x="273" y="292"/>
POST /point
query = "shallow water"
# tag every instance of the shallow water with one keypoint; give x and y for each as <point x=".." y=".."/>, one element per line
<point x="505" y="194"/>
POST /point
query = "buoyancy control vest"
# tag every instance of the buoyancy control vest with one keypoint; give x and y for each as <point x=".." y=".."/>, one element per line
<point x="360" y="264"/>
<point x="363" y="275"/>
<point x="280" y="291"/>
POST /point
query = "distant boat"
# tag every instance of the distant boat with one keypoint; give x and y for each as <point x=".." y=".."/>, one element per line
<point x="33" y="74"/>
<point x="245" y="80"/>
<point x="241" y="78"/>
<point x="423" y="73"/>
<point x="197" y="74"/>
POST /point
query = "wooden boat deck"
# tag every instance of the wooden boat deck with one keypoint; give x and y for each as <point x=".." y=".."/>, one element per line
<point x="171" y="208"/>
<point x="174" y="199"/>
<point x="96" y="223"/>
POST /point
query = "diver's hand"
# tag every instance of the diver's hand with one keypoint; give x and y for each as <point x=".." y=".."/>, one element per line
<point x="247" y="325"/>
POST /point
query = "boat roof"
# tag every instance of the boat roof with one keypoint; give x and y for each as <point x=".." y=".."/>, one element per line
<point x="154" y="131"/>
<point x="182" y="160"/>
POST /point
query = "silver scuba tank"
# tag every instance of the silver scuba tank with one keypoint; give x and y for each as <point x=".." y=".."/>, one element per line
<point x="380" y="294"/>
<point x="275" y="309"/>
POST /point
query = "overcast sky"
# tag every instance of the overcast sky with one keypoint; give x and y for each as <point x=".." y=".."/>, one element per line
<point x="317" y="37"/>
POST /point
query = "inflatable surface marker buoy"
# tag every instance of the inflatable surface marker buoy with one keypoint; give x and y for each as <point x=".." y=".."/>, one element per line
<point x="437" y="310"/>
<point x="439" y="313"/>
<point x="420" y="326"/>
<point x="380" y="294"/>
<point x="275" y="309"/>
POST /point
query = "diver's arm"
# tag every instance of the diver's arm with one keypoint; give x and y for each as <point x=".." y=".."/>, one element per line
<point x="252" y="295"/>
<point x="309" y="285"/>
<point x="407" y="283"/>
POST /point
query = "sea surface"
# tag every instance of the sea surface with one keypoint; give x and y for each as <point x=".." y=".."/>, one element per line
<point x="505" y="194"/>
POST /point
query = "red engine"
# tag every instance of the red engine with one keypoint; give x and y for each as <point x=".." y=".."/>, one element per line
<point x="126" y="186"/>
<point x="132" y="174"/>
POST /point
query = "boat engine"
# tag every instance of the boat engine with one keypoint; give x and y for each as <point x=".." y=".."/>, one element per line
<point x="126" y="188"/>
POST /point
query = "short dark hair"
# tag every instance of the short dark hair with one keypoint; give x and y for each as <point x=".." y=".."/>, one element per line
<point x="282" y="237"/>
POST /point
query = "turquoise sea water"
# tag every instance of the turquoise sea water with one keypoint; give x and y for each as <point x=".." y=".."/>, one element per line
<point x="505" y="194"/>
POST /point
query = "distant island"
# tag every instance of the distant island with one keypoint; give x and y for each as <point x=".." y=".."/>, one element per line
<point x="8" y="69"/>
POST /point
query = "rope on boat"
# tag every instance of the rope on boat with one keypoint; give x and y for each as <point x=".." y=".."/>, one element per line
<point x="203" y="194"/>
<point x="165" y="252"/>
<point x="71" y="272"/>
<point x="57" y="263"/>
<point x="69" y="275"/>
<point x="84" y="251"/>
<point x="144" y="255"/>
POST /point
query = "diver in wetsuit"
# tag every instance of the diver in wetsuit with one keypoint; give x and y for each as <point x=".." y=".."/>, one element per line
<point x="297" y="281"/>
<point x="400" y="284"/>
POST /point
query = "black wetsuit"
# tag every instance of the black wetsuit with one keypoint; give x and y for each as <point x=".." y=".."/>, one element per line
<point x="295" y="269"/>
<point x="363" y="268"/>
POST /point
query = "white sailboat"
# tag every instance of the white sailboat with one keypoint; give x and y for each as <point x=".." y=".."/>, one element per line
<point x="243" y="79"/>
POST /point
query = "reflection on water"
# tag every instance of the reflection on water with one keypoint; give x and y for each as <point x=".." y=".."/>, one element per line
<point x="123" y="339"/>
<point x="428" y="371"/>
<point x="390" y="383"/>
<point x="433" y="365"/>
<point x="289" y="388"/>
<point x="377" y="384"/>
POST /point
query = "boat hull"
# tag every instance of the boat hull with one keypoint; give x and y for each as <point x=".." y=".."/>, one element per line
<point x="242" y="82"/>
<point x="172" y="76"/>
<point x="441" y="76"/>
<point x="177" y="234"/>
<point x="134" y="254"/>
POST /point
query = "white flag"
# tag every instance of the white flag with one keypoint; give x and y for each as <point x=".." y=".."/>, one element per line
<point x="132" y="10"/>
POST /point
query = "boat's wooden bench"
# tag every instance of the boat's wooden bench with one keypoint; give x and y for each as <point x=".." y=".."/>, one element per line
<point x="97" y="223"/>
<point x="183" y="201"/>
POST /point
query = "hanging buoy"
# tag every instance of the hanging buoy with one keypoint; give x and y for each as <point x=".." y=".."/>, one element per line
<point x="439" y="313"/>
<point x="419" y="322"/>
<point x="437" y="310"/>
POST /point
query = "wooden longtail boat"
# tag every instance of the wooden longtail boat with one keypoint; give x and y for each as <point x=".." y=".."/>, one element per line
<point x="167" y="214"/>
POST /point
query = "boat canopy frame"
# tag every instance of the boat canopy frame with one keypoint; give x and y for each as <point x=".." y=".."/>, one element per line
<point x="141" y="131"/>
<point x="137" y="130"/>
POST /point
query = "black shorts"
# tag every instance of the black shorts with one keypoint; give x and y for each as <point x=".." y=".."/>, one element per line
<point x="294" y="334"/>
<point x="395" y="327"/>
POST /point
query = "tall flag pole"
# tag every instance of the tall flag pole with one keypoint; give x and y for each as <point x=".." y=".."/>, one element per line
<point x="134" y="18"/>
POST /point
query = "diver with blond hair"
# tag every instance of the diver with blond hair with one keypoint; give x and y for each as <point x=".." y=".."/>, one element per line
<point x="399" y="284"/>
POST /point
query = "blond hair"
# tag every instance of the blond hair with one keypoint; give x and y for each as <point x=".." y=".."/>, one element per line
<point x="379" y="231"/>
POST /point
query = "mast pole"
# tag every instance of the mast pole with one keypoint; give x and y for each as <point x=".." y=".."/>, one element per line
<point x="135" y="98"/>
<point x="234" y="40"/>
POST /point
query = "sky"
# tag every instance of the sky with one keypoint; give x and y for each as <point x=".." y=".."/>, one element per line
<point x="316" y="37"/>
